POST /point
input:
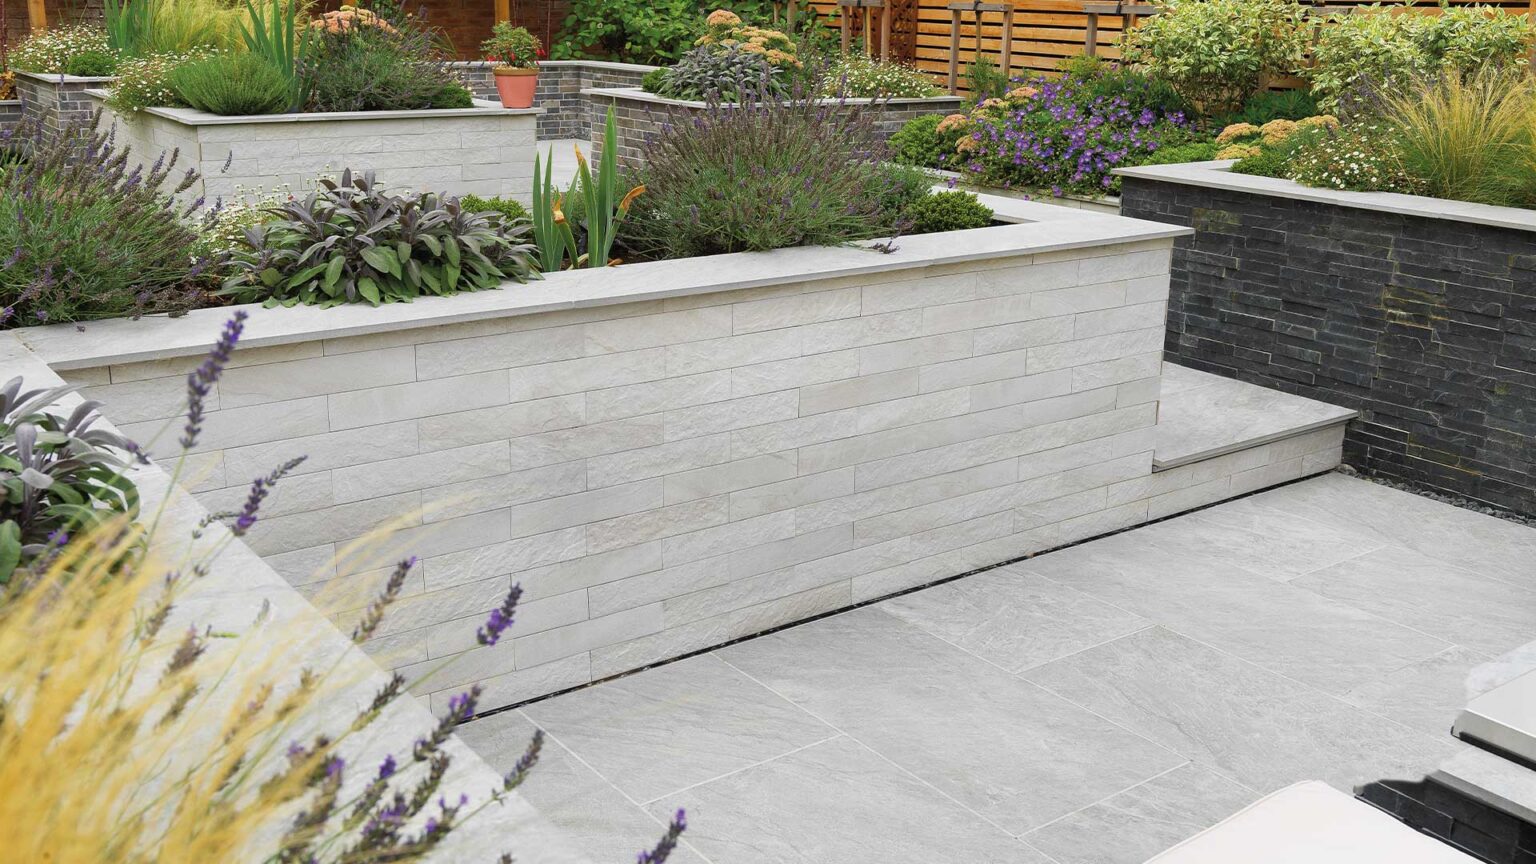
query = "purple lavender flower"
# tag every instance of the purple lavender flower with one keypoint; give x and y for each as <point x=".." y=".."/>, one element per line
<point x="374" y="614"/>
<point x="260" y="488"/>
<point x="500" y="618"/>
<point x="200" y="381"/>
<point x="525" y="763"/>
<point x="667" y="843"/>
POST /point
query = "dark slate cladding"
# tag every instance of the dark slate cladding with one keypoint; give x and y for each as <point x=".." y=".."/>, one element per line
<point x="1485" y="833"/>
<point x="1426" y="326"/>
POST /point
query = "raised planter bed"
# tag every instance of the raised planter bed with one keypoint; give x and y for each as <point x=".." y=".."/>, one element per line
<point x="486" y="150"/>
<point x="59" y="100"/>
<point x="671" y="455"/>
<point x="1108" y="204"/>
<point x="641" y="115"/>
<point x="1418" y="312"/>
<point x="566" y="115"/>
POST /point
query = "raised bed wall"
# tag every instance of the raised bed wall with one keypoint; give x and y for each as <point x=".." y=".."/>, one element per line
<point x="1419" y="313"/>
<point x="566" y="115"/>
<point x="669" y="456"/>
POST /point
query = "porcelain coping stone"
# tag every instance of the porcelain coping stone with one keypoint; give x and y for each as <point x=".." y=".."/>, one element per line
<point x="192" y="117"/>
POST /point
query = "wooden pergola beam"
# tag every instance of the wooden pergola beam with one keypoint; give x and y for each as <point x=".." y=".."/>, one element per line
<point x="503" y="10"/>
<point x="37" y="15"/>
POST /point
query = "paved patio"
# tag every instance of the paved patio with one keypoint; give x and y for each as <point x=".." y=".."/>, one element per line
<point x="1089" y="706"/>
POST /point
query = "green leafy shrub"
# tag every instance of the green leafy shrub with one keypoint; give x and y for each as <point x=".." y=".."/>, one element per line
<point x="627" y="31"/>
<point x="654" y="81"/>
<point x="919" y="142"/>
<point x="351" y="241"/>
<point x="947" y="211"/>
<point x="58" y="475"/>
<point x="511" y="211"/>
<point x="710" y="73"/>
<point x="49" y="51"/>
<point x="379" y="67"/>
<point x="1095" y="80"/>
<point x="92" y="64"/>
<point x="1195" y="151"/>
<point x="145" y="82"/>
<point x="86" y="236"/>
<point x="1387" y="47"/>
<point x="986" y="80"/>
<point x="898" y="187"/>
<point x="1267" y="105"/>
<point x="1273" y="158"/>
<point x="1217" y="53"/>
<point x="232" y="85"/>
<point x="856" y="76"/>
<point x="782" y="173"/>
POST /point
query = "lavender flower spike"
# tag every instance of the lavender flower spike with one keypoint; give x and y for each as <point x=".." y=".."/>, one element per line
<point x="667" y="843"/>
<point x="501" y="618"/>
<point x="525" y="763"/>
<point x="261" y="487"/>
<point x="200" y="381"/>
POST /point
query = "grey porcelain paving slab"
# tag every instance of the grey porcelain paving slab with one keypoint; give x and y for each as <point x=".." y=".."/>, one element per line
<point x="1142" y="821"/>
<point x="1491" y="546"/>
<point x="596" y="818"/>
<point x="668" y="728"/>
<point x="1204" y="415"/>
<point x="836" y="803"/>
<point x="1502" y="669"/>
<point x="1013" y="618"/>
<point x="1326" y="643"/>
<point x="1456" y="604"/>
<point x="1426" y="695"/>
<point x="1261" y="539"/>
<point x="1005" y="748"/>
<point x="1257" y="728"/>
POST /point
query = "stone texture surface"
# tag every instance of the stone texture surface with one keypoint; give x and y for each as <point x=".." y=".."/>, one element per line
<point x="1205" y="415"/>
<point x="486" y="154"/>
<point x="10" y="115"/>
<point x="1422" y="324"/>
<point x="57" y="100"/>
<point x="640" y="115"/>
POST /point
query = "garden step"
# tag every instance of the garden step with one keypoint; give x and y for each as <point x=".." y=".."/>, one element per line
<point x="1503" y="720"/>
<point x="1314" y="823"/>
<point x="1205" y="416"/>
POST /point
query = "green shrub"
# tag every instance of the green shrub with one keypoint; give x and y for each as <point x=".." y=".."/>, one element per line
<point x="898" y="187"/>
<point x="918" y="142"/>
<point x="1217" y="53"/>
<point x="1267" y="105"/>
<point x="1274" y="159"/>
<point x="87" y="237"/>
<point x="351" y="241"/>
<point x="231" y="85"/>
<point x="58" y="476"/>
<point x="655" y="81"/>
<point x="646" y="31"/>
<point x="1195" y="151"/>
<point x="452" y="95"/>
<point x="947" y="211"/>
<point x="1097" y="81"/>
<point x="511" y="211"/>
<point x="374" y="68"/>
<point x="709" y="73"/>
<point x="856" y="76"/>
<point x="49" y="51"/>
<point x="92" y="64"/>
<point x="985" y="80"/>
<point x="769" y="176"/>
<point x="1388" y="47"/>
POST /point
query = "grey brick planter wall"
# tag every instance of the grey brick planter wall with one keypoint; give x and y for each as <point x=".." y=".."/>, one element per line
<point x="1419" y="313"/>
<point x="59" y="99"/>
<point x="566" y="114"/>
<point x="641" y="115"/>
<point x="10" y="115"/>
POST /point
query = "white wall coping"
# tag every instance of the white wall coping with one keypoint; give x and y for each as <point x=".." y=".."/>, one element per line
<point x="1217" y="175"/>
<point x="121" y="340"/>
<point x="590" y="64"/>
<point x="640" y="95"/>
<point x="61" y="78"/>
<point x="193" y="117"/>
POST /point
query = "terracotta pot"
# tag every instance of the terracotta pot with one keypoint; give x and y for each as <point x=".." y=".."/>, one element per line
<point x="516" y="87"/>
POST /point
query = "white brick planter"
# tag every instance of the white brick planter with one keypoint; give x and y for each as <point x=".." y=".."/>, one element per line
<point x="672" y="455"/>
<point x="486" y="150"/>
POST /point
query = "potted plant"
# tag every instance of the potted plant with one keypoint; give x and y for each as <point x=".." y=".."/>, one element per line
<point x="516" y="53"/>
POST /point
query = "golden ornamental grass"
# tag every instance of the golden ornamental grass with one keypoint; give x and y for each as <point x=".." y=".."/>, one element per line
<point x="1468" y="138"/>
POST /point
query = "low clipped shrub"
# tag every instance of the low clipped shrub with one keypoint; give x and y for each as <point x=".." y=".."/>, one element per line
<point x="857" y="76"/>
<point x="86" y="236"/>
<point x="918" y="142"/>
<point x="49" y="51"/>
<point x="351" y="241"/>
<point x="1195" y="151"/>
<point x="1218" y="53"/>
<point x="654" y="81"/>
<point x="511" y="211"/>
<point x="231" y="85"/>
<point x="92" y="64"/>
<point x="947" y="211"/>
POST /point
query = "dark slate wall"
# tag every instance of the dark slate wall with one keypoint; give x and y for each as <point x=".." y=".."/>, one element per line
<point x="1426" y="326"/>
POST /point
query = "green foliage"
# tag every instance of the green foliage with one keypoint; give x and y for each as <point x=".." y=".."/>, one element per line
<point x="376" y="68"/>
<point x="552" y="234"/>
<point x="582" y="225"/>
<point x="732" y="74"/>
<point x="88" y="236"/>
<point x="1274" y="159"/>
<point x="641" y="31"/>
<point x="274" y="35"/>
<point x="512" y="46"/>
<point x="1267" y="105"/>
<point x="1467" y="138"/>
<point x="351" y="241"/>
<point x="49" y="51"/>
<point x="898" y="187"/>
<point x="1360" y="158"/>
<point x="92" y="64"/>
<point x="655" y="81"/>
<point x="1195" y="151"/>
<point x="859" y="77"/>
<point x="985" y="80"/>
<point x="511" y="211"/>
<point x="1097" y="81"/>
<point x="57" y="474"/>
<point x="145" y="82"/>
<point x="1382" y="48"/>
<point x="1217" y="53"/>
<point x="766" y="176"/>
<point x="232" y="85"/>
<point x="605" y="211"/>
<point x="919" y="143"/>
<point x="947" y="211"/>
<point x="141" y="28"/>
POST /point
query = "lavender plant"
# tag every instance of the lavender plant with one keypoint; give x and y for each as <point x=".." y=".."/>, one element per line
<point x="752" y="177"/>
<point x="86" y="236"/>
<point x="175" y="749"/>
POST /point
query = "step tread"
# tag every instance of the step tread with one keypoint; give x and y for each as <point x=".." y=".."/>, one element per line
<point x="1203" y="416"/>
